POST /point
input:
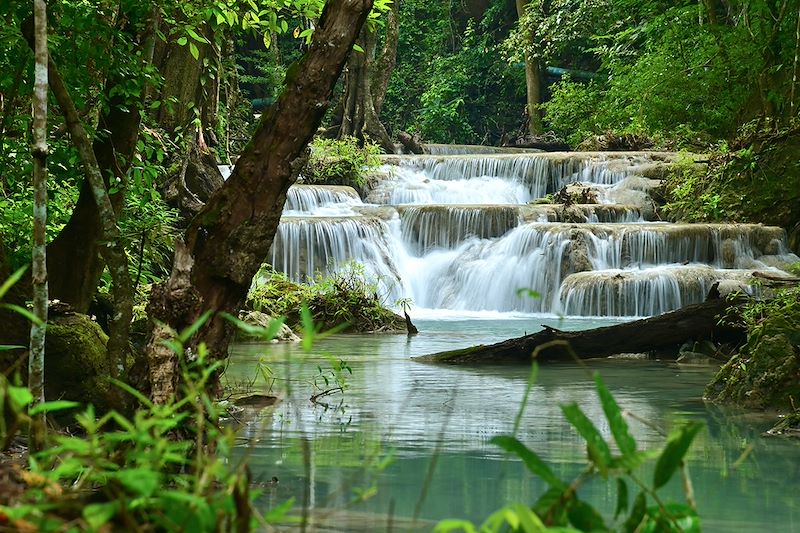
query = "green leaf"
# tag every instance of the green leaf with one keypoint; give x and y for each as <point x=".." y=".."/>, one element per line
<point x="530" y="293"/>
<point x="448" y="526"/>
<point x="6" y="347"/>
<point x="527" y="519"/>
<point x="19" y="396"/>
<point x="24" y="312"/>
<point x="622" y="497"/>
<point x="98" y="514"/>
<point x="584" y="517"/>
<point x="194" y="51"/>
<point x="637" y="513"/>
<point x="674" y="452"/>
<point x="187" y="333"/>
<point x="277" y="514"/>
<point x="357" y="48"/>
<point x="12" y="279"/>
<point x="197" y="37"/>
<point x="267" y="39"/>
<point x="182" y="41"/>
<point x="599" y="452"/>
<point x="49" y="407"/>
<point x="141" y="481"/>
<point x="619" y="428"/>
<point x="532" y="461"/>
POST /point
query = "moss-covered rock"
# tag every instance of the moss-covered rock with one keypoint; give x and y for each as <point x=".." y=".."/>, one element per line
<point x="263" y="320"/>
<point x="767" y="377"/>
<point x="765" y="374"/>
<point x="76" y="365"/>
<point x="342" y="299"/>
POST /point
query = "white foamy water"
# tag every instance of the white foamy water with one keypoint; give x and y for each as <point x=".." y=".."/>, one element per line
<point x="458" y="244"/>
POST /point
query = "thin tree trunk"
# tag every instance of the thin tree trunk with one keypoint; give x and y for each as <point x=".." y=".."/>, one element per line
<point x="229" y="239"/>
<point x="39" y="279"/>
<point x="533" y="83"/>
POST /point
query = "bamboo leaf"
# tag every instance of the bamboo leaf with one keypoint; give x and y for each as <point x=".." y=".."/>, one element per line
<point x="674" y="452"/>
<point x="532" y="461"/>
<point x="187" y="333"/>
<point x="617" y="423"/>
<point x="637" y="513"/>
<point x="12" y="280"/>
<point x="622" y="497"/>
<point x="24" y="312"/>
<point x="49" y="407"/>
<point x="599" y="452"/>
<point x="584" y="517"/>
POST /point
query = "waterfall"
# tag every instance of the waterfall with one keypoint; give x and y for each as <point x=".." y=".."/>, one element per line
<point x="458" y="233"/>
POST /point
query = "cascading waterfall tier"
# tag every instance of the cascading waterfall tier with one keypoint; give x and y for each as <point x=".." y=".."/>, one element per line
<point x="469" y="233"/>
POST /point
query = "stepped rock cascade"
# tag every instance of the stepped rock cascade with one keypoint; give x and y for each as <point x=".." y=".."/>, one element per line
<point x="478" y="233"/>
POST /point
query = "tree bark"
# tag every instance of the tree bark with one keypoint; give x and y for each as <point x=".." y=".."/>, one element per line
<point x="366" y="82"/>
<point x="112" y="250"/>
<point x="533" y="83"/>
<point x="664" y="332"/>
<point x="74" y="258"/>
<point x="39" y="278"/>
<point x="228" y="240"/>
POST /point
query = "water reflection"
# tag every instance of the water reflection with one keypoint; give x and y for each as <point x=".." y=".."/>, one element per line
<point x="413" y="412"/>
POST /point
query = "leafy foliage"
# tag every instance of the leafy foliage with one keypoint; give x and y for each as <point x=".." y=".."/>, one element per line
<point x="451" y="84"/>
<point x="560" y="508"/>
<point x="135" y="473"/>
<point x="340" y="162"/>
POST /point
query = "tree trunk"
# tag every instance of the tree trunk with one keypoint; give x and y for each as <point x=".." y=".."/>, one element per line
<point x="533" y="83"/>
<point x="366" y="82"/>
<point x="74" y="260"/>
<point x="39" y="281"/>
<point x="664" y="332"/>
<point x="228" y="240"/>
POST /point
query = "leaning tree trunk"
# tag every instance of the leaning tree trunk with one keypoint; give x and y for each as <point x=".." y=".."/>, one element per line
<point x="533" y="83"/>
<point x="365" y="84"/>
<point x="39" y="281"/>
<point x="228" y="240"/>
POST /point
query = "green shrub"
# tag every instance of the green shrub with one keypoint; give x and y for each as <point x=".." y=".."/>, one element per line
<point x="344" y="300"/>
<point x="340" y="162"/>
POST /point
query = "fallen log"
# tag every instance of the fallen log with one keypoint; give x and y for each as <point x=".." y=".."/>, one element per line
<point x="661" y="333"/>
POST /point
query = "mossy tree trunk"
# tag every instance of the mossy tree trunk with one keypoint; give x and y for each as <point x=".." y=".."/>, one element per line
<point x="366" y="81"/>
<point x="227" y="241"/>
<point x="39" y="149"/>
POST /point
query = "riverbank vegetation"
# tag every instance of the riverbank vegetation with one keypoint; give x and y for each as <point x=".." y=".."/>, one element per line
<point x="345" y="300"/>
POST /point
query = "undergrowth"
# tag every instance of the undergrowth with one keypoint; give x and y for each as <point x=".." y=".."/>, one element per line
<point x="345" y="299"/>
<point x="766" y="371"/>
<point x="340" y="162"/>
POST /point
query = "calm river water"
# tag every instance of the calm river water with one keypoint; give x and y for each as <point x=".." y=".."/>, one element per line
<point x="436" y="422"/>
